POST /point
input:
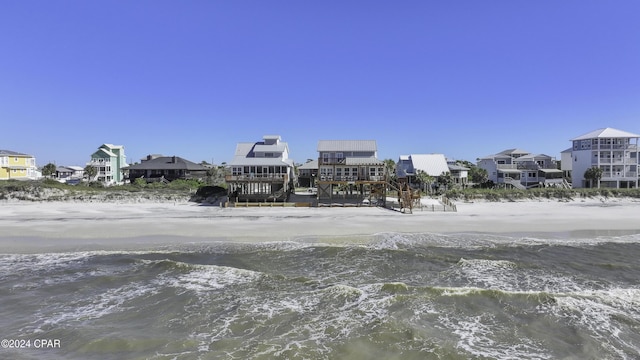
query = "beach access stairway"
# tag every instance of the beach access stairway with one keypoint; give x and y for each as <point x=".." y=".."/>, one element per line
<point x="515" y="183"/>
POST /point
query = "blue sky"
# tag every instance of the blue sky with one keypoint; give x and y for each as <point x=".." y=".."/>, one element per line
<point x="193" y="78"/>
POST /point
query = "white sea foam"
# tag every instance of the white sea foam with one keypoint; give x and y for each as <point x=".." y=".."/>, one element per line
<point x="601" y="312"/>
<point x="205" y="278"/>
<point x="97" y="306"/>
<point x="476" y="336"/>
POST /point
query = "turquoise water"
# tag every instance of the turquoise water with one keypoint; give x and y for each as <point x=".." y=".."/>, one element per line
<point x="391" y="296"/>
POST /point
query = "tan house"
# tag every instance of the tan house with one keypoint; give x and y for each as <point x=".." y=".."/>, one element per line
<point x="349" y="172"/>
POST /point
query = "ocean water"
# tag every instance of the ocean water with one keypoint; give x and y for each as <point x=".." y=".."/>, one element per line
<point x="385" y="296"/>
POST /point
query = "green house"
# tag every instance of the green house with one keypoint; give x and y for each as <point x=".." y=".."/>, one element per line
<point x="109" y="160"/>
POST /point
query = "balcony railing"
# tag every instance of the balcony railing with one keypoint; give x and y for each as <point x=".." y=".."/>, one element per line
<point x="257" y="177"/>
<point x="619" y="174"/>
<point x="351" y="178"/>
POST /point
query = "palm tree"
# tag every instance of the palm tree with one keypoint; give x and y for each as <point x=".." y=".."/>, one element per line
<point x="446" y="180"/>
<point x="425" y="179"/>
<point x="390" y="168"/>
<point x="593" y="174"/>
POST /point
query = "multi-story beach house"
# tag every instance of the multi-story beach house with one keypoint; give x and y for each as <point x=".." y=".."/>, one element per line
<point x="410" y="166"/>
<point x="158" y="167"/>
<point x="308" y="173"/>
<point x="261" y="171"/>
<point x="614" y="151"/>
<point x="350" y="170"/>
<point x="15" y="165"/>
<point x="109" y="161"/>
<point x="520" y="169"/>
<point x="459" y="173"/>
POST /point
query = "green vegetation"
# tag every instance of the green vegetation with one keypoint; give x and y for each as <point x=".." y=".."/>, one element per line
<point x="52" y="190"/>
<point x="537" y="194"/>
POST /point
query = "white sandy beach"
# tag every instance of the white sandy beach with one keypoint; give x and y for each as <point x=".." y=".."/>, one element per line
<point x="113" y="223"/>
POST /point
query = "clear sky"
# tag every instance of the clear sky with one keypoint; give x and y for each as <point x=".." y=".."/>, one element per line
<point x="193" y="78"/>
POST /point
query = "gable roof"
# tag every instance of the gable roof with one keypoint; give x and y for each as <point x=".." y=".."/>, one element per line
<point x="167" y="163"/>
<point x="312" y="165"/>
<point x="512" y="152"/>
<point x="606" y="133"/>
<point x="347" y="145"/>
<point x="432" y="164"/>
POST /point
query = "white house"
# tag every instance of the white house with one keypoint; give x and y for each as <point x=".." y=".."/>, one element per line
<point x="261" y="170"/>
<point x="614" y="151"/>
<point x="521" y="169"/>
<point x="433" y="165"/>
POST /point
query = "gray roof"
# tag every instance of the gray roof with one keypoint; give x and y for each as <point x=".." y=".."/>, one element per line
<point x="606" y="133"/>
<point x="313" y="164"/>
<point x="513" y="152"/>
<point x="457" y="167"/>
<point x="347" y="145"/>
<point x="280" y="147"/>
<point x="532" y="157"/>
<point x="14" y="153"/>
<point x="167" y="163"/>
<point x="354" y="161"/>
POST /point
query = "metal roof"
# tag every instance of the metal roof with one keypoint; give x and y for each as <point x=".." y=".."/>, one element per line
<point x="12" y="153"/>
<point x="458" y="167"/>
<point x="606" y="133"/>
<point x="280" y="147"/>
<point x="313" y="164"/>
<point x="512" y="171"/>
<point x="347" y="145"/>
<point x="432" y="164"/>
<point x="362" y="161"/>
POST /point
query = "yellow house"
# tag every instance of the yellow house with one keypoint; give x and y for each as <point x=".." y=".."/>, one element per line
<point x="15" y="165"/>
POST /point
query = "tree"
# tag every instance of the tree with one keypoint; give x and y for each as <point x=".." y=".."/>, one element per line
<point x="593" y="174"/>
<point x="425" y="180"/>
<point x="90" y="172"/>
<point x="49" y="170"/>
<point x="478" y="175"/>
<point x="390" y="168"/>
<point x="446" y="180"/>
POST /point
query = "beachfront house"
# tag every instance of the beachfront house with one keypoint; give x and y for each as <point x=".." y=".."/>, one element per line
<point x="308" y="173"/>
<point x="459" y="173"/>
<point x="17" y="166"/>
<point x="410" y="166"/>
<point x="261" y="171"/>
<point x="69" y="173"/>
<point x="614" y="151"/>
<point x="522" y="170"/>
<point x="166" y="168"/>
<point x="109" y="161"/>
<point x="349" y="172"/>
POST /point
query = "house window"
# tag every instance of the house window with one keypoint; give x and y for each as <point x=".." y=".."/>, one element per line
<point x="325" y="158"/>
<point x="339" y="156"/>
<point x="532" y="174"/>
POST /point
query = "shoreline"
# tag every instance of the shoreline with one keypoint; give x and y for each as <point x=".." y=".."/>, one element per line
<point x="51" y="224"/>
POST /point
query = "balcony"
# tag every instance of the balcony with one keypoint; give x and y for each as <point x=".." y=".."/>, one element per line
<point x="619" y="175"/>
<point x="331" y="160"/>
<point x="351" y="178"/>
<point x="258" y="177"/>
